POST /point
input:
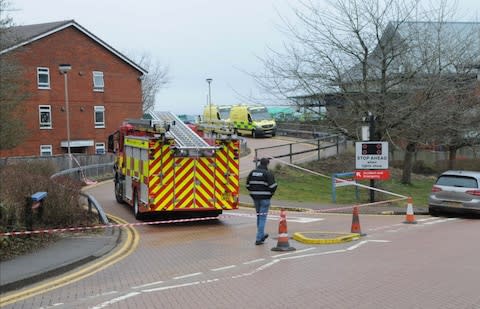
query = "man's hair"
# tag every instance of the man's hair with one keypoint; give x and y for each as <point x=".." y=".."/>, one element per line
<point x="264" y="161"/>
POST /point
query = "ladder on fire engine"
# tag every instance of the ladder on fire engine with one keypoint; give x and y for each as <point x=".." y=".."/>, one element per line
<point x="183" y="135"/>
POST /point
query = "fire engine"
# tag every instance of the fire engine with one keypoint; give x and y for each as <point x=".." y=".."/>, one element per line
<point x="163" y="166"/>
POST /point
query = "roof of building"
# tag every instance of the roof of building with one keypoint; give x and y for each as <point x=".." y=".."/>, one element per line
<point x="18" y="36"/>
<point x="420" y="37"/>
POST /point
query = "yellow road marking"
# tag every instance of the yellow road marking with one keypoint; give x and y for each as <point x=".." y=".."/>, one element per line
<point x="127" y="248"/>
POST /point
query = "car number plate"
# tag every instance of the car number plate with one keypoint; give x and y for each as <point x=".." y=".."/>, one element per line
<point x="452" y="204"/>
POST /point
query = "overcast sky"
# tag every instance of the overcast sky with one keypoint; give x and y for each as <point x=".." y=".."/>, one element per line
<point x="196" y="39"/>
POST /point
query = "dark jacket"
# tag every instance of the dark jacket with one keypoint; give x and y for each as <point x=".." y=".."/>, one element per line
<point x="261" y="184"/>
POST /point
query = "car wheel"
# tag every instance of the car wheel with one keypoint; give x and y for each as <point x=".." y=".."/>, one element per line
<point x="432" y="212"/>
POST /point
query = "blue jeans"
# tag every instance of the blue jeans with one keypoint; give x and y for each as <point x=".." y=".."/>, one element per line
<point x="262" y="207"/>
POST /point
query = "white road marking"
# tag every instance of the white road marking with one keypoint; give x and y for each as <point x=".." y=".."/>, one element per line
<point x="115" y="300"/>
<point x="187" y="276"/>
<point x="427" y="219"/>
<point x="293" y="252"/>
<point x="179" y="285"/>
<point x="253" y="261"/>
<point x="313" y="254"/>
<point x="265" y="266"/>
<point x="276" y="218"/>
<point x="441" y="221"/>
<point x="148" y="284"/>
<point x="276" y="259"/>
<point x="223" y="268"/>
<point x="366" y="241"/>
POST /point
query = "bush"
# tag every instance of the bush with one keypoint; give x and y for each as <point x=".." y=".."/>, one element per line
<point x="61" y="208"/>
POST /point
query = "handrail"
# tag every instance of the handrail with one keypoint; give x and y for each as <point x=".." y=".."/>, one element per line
<point x="91" y="200"/>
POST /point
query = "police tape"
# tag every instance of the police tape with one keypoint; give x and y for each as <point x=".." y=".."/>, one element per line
<point x="221" y="216"/>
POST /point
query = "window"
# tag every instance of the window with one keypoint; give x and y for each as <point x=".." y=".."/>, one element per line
<point x="43" y="78"/>
<point x="46" y="150"/>
<point x="98" y="83"/>
<point x="99" y="116"/>
<point x="100" y="148"/>
<point x="45" y="116"/>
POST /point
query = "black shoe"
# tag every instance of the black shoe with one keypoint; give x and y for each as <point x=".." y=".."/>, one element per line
<point x="265" y="237"/>
<point x="259" y="242"/>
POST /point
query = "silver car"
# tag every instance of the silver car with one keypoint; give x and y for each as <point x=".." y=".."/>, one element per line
<point x="455" y="192"/>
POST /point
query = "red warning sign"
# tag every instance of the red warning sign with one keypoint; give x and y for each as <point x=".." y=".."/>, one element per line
<point x="372" y="174"/>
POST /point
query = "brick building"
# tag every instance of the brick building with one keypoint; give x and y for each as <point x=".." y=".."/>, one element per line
<point x="100" y="89"/>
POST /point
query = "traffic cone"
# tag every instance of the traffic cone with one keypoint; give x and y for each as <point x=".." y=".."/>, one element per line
<point x="356" y="222"/>
<point x="410" y="217"/>
<point x="282" y="244"/>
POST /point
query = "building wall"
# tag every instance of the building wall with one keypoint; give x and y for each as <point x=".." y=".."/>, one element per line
<point x="122" y="96"/>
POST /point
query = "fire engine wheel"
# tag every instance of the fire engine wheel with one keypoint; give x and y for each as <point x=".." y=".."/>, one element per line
<point x="136" y="211"/>
<point x="118" y="192"/>
<point x="254" y="134"/>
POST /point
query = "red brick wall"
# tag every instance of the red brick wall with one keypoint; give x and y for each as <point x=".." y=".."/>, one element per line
<point x="121" y="97"/>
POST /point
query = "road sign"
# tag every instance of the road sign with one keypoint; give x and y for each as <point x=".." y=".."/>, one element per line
<point x="372" y="174"/>
<point x="371" y="155"/>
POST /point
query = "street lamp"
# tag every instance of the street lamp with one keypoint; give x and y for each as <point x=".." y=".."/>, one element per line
<point x="209" y="81"/>
<point x="64" y="69"/>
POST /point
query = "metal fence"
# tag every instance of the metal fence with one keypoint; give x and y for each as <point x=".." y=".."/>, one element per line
<point x="88" y="174"/>
<point x="62" y="162"/>
<point x="323" y="147"/>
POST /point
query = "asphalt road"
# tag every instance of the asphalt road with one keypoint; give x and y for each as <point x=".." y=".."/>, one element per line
<point x="215" y="264"/>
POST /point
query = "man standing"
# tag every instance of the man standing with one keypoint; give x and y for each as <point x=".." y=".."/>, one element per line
<point x="262" y="185"/>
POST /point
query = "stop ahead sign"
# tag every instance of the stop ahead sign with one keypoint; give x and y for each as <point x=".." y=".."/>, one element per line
<point x="372" y="174"/>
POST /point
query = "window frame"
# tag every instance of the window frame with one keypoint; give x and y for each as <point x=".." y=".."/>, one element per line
<point x="43" y="71"/>
<point x="99" y="109"/>
<point x="45" y="109"/>
<point x="49" y="150"/>
<point x="97" y="86"/>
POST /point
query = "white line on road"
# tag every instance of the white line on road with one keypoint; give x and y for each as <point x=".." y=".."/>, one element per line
<point x="313" y="254"/>
<point x="292" y="252"/>
<point x="276" y="218"/>
<point x="442" y="221"/>
<point x="145" y="285"/>
<point x="366" y="241"/>
<point x="223" y="268"/>
<point x="115" y="300"/>
<point x="253" y="261"/>
<point x="187" y="276"/>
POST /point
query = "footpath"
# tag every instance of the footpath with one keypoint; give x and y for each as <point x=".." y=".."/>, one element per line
<point x="75" y="250"/>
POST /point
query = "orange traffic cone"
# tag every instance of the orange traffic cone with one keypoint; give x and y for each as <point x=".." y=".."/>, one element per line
<point x="410" y="217"/>
<point x="282" y="244"/>
<point x="356" y="222"/>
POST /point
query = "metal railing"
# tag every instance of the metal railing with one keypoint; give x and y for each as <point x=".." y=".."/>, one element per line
<point x="336" y="143"/>
<point x="84" y="173"/>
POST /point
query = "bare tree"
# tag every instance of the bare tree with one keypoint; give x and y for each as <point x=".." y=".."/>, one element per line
<point x="156" y="79"/>
<point x="12" y="87"/>
<point x="375" y="58"/>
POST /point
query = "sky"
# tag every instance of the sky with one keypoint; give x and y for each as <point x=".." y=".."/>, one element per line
<point x="196" y="39"/>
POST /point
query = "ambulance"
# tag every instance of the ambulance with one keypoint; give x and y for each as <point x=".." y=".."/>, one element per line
<point x="253" y="120"/>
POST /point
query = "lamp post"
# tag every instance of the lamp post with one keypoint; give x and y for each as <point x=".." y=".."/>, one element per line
<point x="64" y="69"/>
<point x="209" y="81"/>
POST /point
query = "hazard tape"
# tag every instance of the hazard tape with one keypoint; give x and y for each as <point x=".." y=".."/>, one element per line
<point x="94" y="227"/>
<point x="222" y="216"/>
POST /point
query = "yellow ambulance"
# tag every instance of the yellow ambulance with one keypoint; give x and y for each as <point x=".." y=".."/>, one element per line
<point x="252" y="119"/>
